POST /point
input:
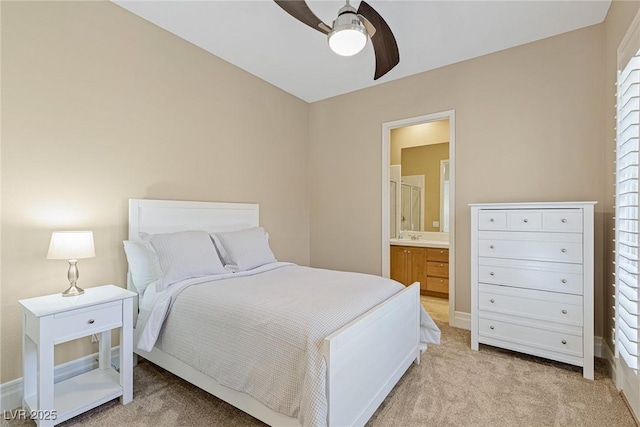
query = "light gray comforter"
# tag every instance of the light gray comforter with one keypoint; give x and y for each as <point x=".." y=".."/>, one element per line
<point x="263" y="334"/>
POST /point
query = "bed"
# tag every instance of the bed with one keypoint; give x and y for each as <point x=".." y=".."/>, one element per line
<point x="349" y="363"/>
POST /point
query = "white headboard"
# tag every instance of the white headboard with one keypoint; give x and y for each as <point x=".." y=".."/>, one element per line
<point x="166" y="216"/>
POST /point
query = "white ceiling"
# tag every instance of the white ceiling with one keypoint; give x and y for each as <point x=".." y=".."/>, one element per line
<point x="261" y="38"/>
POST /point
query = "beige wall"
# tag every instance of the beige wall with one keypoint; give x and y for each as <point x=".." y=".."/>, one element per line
<point x="413" y="136"/>
<point x="99" y="106"/>
<point x="620" y="15"/>
<point x="95" y="102"/>
<point x="425" y="160"/>
<point x="528" y="128"/>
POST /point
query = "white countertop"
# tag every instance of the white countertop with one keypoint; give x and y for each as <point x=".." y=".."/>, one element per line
<point x="422" y="243"/>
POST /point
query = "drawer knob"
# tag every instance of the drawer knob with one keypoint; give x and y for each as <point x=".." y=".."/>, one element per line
<point x="441" y="252"/>
<point x="491" y="327"/>
<point x="526" y="220"/>
<point x="492" y="274"/>
<point x="408" y="252"/>
<point x="564" y="311"/>
<point x="492" y="300"/>
<point x="564" y="251"/>
<point x="91" y="321"/>
<point x="492" y="220"/>
<point x="564" y="220"/>
<point x="490" y="246"/>
<point x="564" y="341"/>
<point x="441" y="265"/>
<point x="564" y="280"/>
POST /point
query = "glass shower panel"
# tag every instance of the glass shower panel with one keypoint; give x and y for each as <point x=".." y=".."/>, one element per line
<point x="416" y="196"/>
<point x="393" y="218"/>
<point x="405" y="220"/>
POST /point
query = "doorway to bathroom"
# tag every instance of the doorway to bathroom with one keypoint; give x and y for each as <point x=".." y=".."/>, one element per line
<point x="418" y="227"/>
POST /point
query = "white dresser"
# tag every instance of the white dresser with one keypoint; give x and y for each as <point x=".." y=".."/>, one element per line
<point x="532" y="279"/>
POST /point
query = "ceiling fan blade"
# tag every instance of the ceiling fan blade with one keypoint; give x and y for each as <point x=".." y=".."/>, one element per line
<point x="300" y="10"/>
<point x="384" y="43"/>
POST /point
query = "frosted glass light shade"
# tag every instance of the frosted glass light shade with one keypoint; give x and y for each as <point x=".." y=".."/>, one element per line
<point x="71" y="245"/>
<point x="347" y="42"/>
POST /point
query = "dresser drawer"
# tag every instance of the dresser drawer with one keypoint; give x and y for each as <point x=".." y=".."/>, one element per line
<point x="434" y="254"/>
<point x="546" y="276"/>
<point x="520" y="334"/>
<point x="524" y="220"/>
<point x="550" y="220"/>
<point x="562" y="220"/>
<point x="492" y="220"/>
<point x="437" y="284"/>
<point x="540" y="305"/>
<point x="87" y="321"/>
<point x="439" y="269"/>
<point x="557" y="247"/>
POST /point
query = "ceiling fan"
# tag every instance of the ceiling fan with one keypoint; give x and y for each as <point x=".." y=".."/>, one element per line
<point x="350" y="30"/>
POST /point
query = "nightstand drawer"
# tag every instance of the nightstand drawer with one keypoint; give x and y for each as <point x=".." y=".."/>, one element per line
<point x="91" y="320"/>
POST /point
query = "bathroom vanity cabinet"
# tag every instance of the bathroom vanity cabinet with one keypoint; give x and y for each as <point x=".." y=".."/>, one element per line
<point x="407" y="264"/>
<point x="429" y="266"/>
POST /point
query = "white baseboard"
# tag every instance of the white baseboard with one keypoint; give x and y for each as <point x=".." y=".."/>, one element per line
<point x="607" y="354"/>
<point x="461" y="320"/>
<point x="11" y="391"/>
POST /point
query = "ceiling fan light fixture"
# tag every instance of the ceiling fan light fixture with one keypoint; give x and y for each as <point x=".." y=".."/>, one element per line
<point x="348" y="36"/>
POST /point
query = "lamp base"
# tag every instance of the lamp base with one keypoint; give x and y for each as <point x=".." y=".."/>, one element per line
<point x="73" y="291"/>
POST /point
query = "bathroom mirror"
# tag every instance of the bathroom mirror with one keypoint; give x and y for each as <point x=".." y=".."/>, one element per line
<point x="419" y="178"/>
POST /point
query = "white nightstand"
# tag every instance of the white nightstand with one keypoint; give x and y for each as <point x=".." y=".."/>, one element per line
<point x="54" y="319"/>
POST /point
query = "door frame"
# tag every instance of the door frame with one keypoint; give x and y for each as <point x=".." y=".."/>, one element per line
<point x="386" y="156"/>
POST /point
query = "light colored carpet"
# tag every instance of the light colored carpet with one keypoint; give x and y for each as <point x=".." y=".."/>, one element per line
<point x="453" y="386"/>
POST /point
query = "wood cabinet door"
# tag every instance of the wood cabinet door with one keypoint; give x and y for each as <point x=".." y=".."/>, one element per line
<point x="417" y="265"/>
<point x="399" y="263"/>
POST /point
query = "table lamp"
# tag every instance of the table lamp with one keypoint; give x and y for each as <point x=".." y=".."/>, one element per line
<point x="72" y="246"/>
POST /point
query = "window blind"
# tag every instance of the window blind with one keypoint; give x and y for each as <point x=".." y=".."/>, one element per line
<point x="627" y="160"/>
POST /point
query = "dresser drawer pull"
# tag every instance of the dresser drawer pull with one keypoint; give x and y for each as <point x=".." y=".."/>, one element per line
<point x="564" y="341"/>
<point x="492" y="300"/>
<point x="564" y="280"/>
<point x="492" y="220"/>
<point x="490" y="246"/>
<point x="492" y="274"/>
<point x="564" y="251"/>
<point x="441" y="252"/>
<point x="91" y="321"/>
<point x="564" y="220"/>
<point x="526" y="220"/>
<point x="441" y="265"/>
<point x="491" y="327"/>
<point x="564" y="311"/>
<point x="441" y="281"/>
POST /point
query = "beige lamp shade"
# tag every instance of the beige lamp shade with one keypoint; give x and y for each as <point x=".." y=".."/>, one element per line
<point x="71" y="245"/>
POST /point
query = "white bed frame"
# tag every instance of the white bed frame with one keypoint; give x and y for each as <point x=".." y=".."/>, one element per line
<point x="365" y="358"/>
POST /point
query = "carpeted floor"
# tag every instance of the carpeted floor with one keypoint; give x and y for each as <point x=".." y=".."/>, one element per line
<point x="453" y="386"/>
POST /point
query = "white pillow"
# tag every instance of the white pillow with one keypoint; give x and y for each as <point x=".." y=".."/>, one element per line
<point x="245" y="249"/>
<point x="184" y="255"/>
<point x="143" y="264"/>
